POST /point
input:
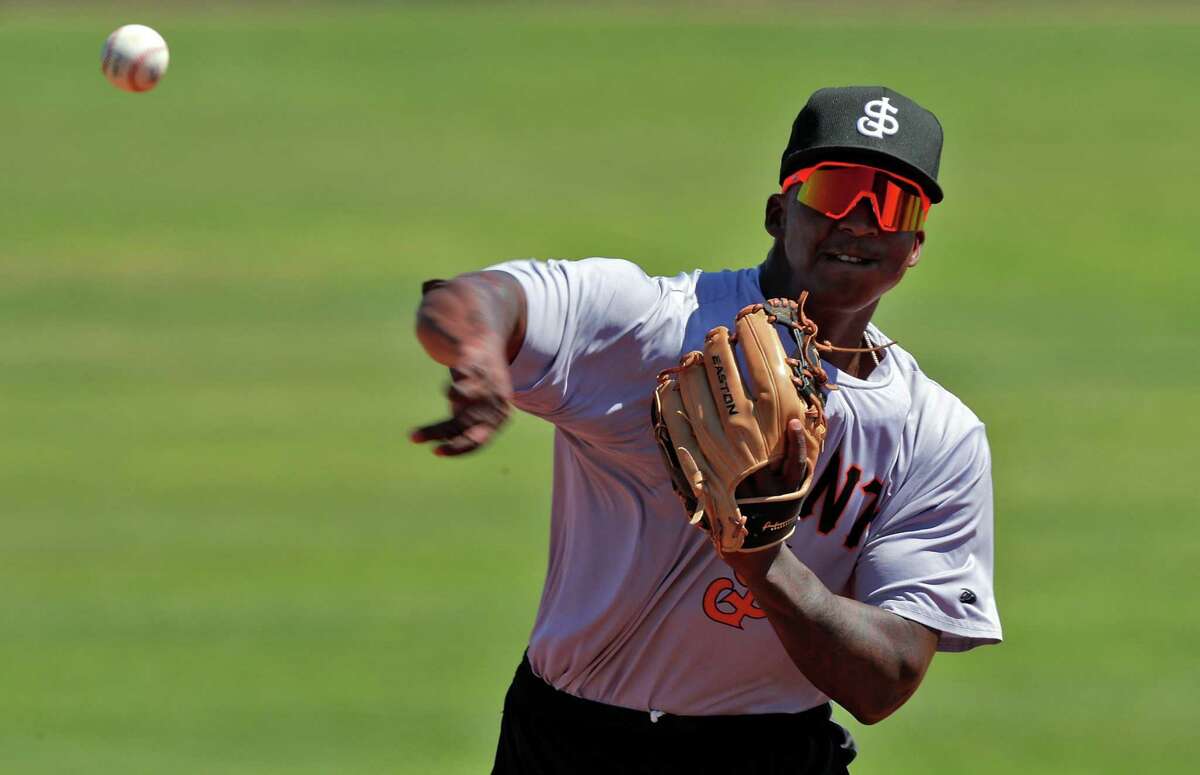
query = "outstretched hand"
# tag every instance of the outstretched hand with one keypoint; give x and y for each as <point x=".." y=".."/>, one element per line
<point x="479" y="393"/>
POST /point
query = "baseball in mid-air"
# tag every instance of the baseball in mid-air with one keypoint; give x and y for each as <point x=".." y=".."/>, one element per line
<point x="134" y="58"/>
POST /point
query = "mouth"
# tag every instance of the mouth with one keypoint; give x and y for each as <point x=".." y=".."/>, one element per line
<point x="847" y="259"/>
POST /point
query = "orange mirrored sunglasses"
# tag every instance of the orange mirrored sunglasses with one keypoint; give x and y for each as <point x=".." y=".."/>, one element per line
<point x="834" y="189"/>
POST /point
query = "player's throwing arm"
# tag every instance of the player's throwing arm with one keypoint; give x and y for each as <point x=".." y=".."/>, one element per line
<point x="473" y="324"/>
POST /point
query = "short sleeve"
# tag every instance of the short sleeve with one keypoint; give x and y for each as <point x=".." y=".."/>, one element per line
<point x="930" y="558"/>
<point x="589" y="327"/>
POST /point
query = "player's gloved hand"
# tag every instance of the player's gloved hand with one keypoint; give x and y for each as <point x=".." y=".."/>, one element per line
<point x="741" y="438"/>
<point x="479" y="393"/>
<point x="784" y="476"/>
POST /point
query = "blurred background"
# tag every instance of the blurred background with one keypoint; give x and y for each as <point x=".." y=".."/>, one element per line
<point x="218" y="551"/>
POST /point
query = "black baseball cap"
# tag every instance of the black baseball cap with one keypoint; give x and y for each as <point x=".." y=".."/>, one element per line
<point x="867" y="125"/>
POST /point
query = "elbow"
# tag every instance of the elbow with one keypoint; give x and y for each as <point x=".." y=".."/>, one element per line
<point x="874" y="710"/>
<point x="870" y="716"/>
<point x="441" y="347"/>
<point x="426" y="322"/>
<point x="436" y="300"/>
<point x="888" y="672"/>
<point x="888" y="696"/>
<point x="480" y="307"/>
<point x="435" y="325"/>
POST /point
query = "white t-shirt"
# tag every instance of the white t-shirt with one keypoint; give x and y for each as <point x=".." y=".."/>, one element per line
<point x="638" y="610"/>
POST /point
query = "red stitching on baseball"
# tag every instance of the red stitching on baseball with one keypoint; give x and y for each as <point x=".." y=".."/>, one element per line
<point x="138" y="63"/>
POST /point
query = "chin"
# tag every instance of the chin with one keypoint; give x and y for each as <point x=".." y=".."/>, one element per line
<point x="846" y="303"/>
<point x="841" y="294"/>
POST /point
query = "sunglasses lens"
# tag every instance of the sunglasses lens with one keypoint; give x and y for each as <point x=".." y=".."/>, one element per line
<point x="898" y="209"/>
<point x="834" y="191"/>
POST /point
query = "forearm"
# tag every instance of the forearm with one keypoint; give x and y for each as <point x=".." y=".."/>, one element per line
<point x="868" y="660"/>
<point x="471" y="311"/>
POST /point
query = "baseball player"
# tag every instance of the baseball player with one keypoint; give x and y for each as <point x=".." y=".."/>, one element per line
<point x="652" y="652"/>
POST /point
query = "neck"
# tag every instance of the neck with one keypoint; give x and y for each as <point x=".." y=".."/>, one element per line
<point x="841" y="327"/>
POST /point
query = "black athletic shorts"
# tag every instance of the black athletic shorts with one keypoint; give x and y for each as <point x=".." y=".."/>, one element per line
<point x="546" y="731"/>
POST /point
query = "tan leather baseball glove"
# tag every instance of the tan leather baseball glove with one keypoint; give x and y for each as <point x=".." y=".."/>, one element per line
<point x="717" y="426"/>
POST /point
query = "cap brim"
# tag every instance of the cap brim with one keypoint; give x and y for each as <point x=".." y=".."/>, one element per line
<point x="860" y="155"/>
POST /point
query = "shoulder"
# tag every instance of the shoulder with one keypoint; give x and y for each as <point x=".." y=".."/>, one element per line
<point x="932" y="404"/>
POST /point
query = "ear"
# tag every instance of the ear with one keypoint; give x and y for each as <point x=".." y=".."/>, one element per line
<point x="915" y="254"/>
<point x="776" y="216"/>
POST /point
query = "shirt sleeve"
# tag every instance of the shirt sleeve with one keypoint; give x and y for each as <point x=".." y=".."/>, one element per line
<point x="930" y="560"/>
<point x="589" y="327"/>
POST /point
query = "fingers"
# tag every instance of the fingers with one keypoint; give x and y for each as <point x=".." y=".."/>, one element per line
<point x="793" y="448"/>
<point x="784" y="476"/>
<point x="477" y="413"/>
<point x="479" y="392"/>
<point x="469" y="440"/>
<point x="795" y="458"/>
<point x="456" y="438"/>
<point x="764" y="481"/>
<point x="438" y="431"/>
<point x="480" y="399"/>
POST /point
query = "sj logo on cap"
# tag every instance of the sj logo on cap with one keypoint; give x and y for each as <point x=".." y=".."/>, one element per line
<point x="880" y="119"/>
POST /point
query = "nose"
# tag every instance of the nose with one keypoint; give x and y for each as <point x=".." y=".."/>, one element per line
<point x="860" y="221"/>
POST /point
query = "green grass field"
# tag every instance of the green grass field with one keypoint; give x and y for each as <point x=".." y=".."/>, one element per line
<point x="220" y="554"/>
